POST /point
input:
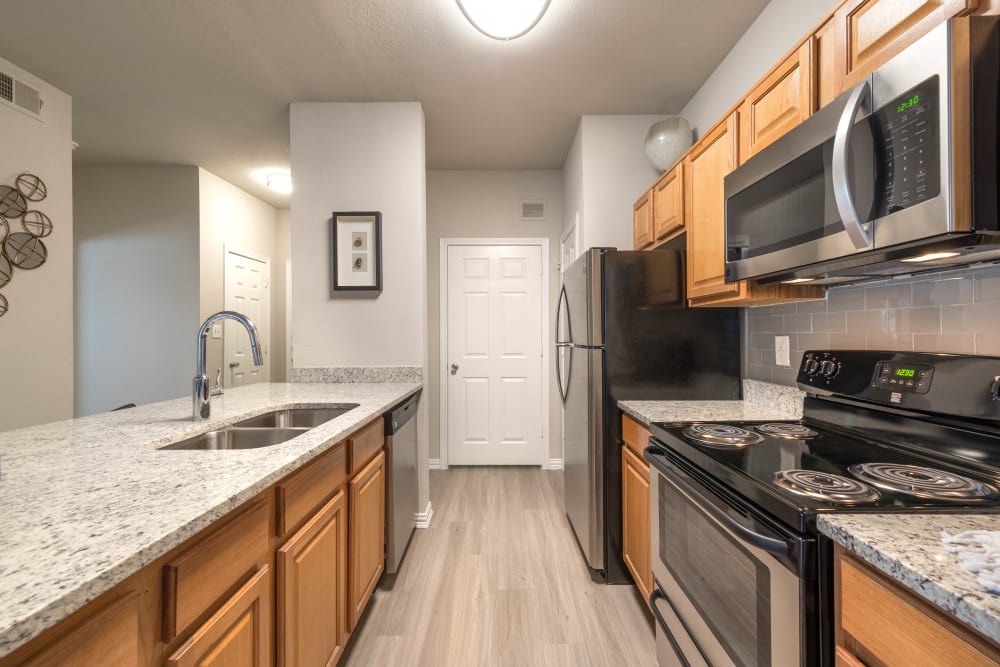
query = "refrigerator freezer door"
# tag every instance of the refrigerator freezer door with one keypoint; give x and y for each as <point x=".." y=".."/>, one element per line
<point x="583" y="477"/>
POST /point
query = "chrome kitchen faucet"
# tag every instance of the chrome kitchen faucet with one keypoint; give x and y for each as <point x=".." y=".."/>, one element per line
<point x="201" y="401"/>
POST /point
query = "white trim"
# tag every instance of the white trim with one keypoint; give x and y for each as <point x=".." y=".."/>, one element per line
<point x="266" y="344"/>
<point x="435" y="464"/>
<point x="423" y="519"/>
<point x="553" y="464"/>
<point x="443" y="328"/>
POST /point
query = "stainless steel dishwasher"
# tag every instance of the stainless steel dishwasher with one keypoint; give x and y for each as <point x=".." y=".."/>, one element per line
<point x="401" y="487"/>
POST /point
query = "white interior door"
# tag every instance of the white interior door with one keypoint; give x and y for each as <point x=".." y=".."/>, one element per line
<point x="248" y="292"/>
<point x="494" y="388"/>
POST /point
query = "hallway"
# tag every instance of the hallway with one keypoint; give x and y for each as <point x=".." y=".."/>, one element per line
<point x="498" y="579"/>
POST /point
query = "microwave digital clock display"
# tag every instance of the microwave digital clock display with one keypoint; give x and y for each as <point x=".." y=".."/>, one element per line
<point x="903" y="106"/>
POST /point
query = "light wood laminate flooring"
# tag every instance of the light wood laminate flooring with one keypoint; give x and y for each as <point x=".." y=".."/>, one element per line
<point x="498" y="579"/>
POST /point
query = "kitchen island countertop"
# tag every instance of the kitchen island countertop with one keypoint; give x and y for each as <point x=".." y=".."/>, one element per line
<point x="907" y="548"/>
<point x="85" y="503"/>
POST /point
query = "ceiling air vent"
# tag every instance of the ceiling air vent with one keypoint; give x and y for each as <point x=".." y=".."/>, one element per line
<point x="532" y="210"/>
<point x="21" y="96"/>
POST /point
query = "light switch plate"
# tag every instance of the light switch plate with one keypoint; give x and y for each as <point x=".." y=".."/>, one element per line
<point x="782" y="354"/>
<point x="216" y="331"/>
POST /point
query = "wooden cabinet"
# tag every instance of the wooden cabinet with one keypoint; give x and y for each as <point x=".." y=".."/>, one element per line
<point x="635" y="506"/>
<point x="870" y="32"/>
<point x="778" y="103"/>
<point x="642" y="222"/>
<point x="108" y="638"/>
<point x="239" y="633"/>
<point x="827" y="75"/>
<point x="366" y="526"/>
<point x="706" y="166"/>
<point x="878" y="622"/>
<point x="312" y="589"/>
<point x="668" y="205"/>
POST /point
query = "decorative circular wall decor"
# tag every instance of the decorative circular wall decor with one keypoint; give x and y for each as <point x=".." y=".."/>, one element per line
<point x="3" y="305"/>
<point x="12" y="202"/>
<point x="25" y="251"/>
<point x="6" y="270"/>
<point x="4" y="229"/>
<point x="37" y="224"/>
<point x="31" y="187"/>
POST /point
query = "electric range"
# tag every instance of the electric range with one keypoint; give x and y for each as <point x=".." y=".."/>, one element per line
<point x="737" y="556"/>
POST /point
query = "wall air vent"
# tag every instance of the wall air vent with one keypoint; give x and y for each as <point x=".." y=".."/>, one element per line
<point x="21" y="96"/>
<point x="532" y="211"/>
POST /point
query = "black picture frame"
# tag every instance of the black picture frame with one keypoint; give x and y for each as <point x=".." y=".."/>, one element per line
<point x="361" y="254"/>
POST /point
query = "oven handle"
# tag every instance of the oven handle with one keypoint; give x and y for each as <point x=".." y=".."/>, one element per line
<point x="771" y="545"/>
<point x="839" y="167"/>
<point x="657" y="594"/>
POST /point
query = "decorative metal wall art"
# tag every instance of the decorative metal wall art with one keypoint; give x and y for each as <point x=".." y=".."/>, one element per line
<point x="23" y="250"/>
<point x="356" y="238"/>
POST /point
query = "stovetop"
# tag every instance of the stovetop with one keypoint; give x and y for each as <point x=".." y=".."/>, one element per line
<point x="779" y="470"/>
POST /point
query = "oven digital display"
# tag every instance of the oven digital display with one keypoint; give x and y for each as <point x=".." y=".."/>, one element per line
<point x="906" y="372"/>
<point x="915" y="378"/>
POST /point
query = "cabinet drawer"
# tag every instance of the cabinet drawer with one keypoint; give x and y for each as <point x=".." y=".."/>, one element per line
<point x="364" y="445"/>
<point x="195" y="580"/>
<point x="635" y="435"/>
<point x="305" y="490"/>
<point x="109" y="638"/>
<point x="884" y="624"/>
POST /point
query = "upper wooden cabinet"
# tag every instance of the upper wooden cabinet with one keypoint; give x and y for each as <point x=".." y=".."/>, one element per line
<point x="870" y="32"/>
<point x="642" y="221"/>
<point x="705" y="167"/>
<point x="668" y="205"/>
<point x="827" y="77"/>
<point x="778" y="103"/>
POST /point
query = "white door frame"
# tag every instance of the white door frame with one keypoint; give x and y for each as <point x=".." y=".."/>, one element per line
<point x="257" y="257"/>
<point x="542" y="243"/>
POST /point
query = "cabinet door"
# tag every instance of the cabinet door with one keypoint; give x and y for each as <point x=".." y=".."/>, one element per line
<point x="239" y="633"/>
<point x="706" y="166"/>
<point x="668" y="204"/>
<point x="778" y="103"/>
<point x="870" y="32"/>
<point x="635" y="521"/>
<point x="827" y="76"/>
<point x="312" y="589"/>
<point x="109" y="638"/>
<point x="366" y="542"/>
<point x="642" y="222"/>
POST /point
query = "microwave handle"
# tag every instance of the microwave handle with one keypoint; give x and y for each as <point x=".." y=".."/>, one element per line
<point x="841" y="181"/>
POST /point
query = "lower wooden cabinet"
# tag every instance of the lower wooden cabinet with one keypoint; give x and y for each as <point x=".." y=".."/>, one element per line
<point x="367" y="535"/>
<point x="312" y="589"/>
<point x="108" y="638"/>
<point x="239" y="633"/>
<point x="635" y="506"/>
<point x="878" y="622"/>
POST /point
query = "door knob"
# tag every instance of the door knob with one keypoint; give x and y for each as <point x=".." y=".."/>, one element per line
<point x="454" y="368"/>
<point x="234" y="364"/>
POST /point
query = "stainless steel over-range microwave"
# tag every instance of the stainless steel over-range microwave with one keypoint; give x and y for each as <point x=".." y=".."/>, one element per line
<point x="897" y="175"/>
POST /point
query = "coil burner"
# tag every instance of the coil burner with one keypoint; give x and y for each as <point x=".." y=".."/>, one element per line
<point x="785" y="430"/>
<point x="826" y="487"/>
<point x="724" y="436"/>
<point x="923" y="482"/>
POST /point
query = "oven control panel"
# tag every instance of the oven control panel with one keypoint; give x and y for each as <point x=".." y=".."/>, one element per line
<point x="896" y="376"/>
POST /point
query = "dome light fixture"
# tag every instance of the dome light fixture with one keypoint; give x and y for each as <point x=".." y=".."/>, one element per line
<point x="503" y="19"/>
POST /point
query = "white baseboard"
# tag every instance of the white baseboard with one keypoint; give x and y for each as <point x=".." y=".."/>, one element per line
<point x="553" y="464"/>
<point x="435" y="464"/>
<point x="423" y="519"/>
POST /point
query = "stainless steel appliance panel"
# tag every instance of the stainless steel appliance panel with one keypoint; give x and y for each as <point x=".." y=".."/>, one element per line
<point x="582" y="285"/>
<point x="401" y="483"/>
<point x="583" y="476"/>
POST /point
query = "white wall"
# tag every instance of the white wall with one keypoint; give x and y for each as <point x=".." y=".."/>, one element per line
<point x="605" y="171"/>
<point x="487" y="204"/>
<point x="769" y="37"/>
<point x="36" y="334"/>
<point x="230" y="216"/>
<point x="136" y="284"/>
<point x="361" y="157"/>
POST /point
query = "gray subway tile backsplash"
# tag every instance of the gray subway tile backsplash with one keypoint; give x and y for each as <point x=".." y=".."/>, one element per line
<point x="956" y="311"/>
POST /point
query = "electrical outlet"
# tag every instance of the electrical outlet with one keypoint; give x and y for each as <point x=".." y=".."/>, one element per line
<point x="216" y="331"/>
<point x="782" y="354"/>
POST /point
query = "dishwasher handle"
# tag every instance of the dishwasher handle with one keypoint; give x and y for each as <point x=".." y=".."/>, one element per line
<point x="398" y="417"/>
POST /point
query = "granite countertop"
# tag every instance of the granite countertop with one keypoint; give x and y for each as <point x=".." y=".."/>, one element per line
<point x="907" y="548"/>
<point x="762" y="401"/>
<point x="85" y="503"/>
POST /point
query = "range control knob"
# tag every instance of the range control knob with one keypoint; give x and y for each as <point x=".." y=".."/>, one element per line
<point x="828" y="368"/>
<point x="811" y="366"/>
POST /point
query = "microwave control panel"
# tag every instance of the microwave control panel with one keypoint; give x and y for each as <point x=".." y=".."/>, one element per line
<point x="908" y="136"/>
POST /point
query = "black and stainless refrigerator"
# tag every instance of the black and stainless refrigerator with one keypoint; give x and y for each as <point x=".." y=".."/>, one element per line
<point x="624" y="332"/>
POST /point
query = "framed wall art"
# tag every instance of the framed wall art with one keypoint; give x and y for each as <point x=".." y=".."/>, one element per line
<point x="357" y="251"/>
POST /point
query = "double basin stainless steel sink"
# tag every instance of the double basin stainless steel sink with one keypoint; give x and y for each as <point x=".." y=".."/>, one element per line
<point x="270" y="428"/>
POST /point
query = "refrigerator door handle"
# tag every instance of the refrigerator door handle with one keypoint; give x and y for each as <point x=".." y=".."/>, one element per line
<point x="563" y="300"/>
<point x="564" y="385"/>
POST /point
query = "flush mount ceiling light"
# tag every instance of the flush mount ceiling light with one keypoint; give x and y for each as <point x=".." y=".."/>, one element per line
<point x="931" y="256"/>
<point x="280" y="181"/>
<point x="503" y="19"/>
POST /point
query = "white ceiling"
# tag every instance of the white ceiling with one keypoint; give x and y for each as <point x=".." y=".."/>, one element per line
<point x="208" y="82"/>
